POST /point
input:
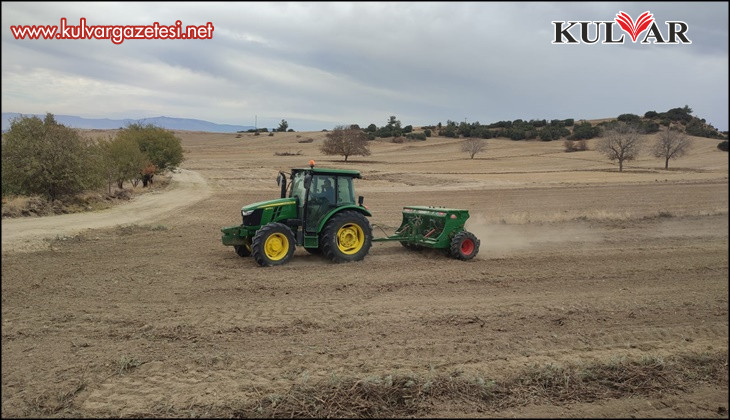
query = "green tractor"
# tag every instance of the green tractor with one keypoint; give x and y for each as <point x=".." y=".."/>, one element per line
<point x="317" y="210"/>
<point x="320" y="214"/>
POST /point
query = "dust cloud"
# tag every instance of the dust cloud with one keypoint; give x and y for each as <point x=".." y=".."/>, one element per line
<point x="498" y="239"/>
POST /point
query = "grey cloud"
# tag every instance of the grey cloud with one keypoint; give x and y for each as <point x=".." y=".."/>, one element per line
<point x="327" y="63"/>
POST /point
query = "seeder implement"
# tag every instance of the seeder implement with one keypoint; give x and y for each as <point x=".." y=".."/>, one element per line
<point x="438" y="228"/>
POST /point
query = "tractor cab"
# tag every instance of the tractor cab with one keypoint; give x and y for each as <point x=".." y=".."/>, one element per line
<point x="319" y="192"/>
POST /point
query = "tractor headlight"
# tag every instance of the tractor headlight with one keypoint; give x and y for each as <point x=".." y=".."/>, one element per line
<point x="245" y="213"/>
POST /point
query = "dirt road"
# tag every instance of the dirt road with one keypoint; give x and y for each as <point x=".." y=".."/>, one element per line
<point x="33" y="233"/>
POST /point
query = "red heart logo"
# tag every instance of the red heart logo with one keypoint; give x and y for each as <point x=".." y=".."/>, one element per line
<point x="634" y="28"/>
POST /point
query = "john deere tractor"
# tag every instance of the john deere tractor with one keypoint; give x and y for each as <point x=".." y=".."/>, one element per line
<point x="317" y="210"/>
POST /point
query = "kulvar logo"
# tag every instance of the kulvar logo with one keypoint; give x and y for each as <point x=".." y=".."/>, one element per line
<point x="591" y="32"/>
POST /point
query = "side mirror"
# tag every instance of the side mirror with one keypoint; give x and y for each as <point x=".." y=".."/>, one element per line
<point x="279" y="178"/>
<point x="360" y="200"/>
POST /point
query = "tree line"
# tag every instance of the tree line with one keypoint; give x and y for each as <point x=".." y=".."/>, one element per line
<point x="43" y="157"/>
<point x="620" y="140"/>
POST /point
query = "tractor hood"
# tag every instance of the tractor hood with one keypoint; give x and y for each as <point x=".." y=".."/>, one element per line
<point x="266" y="204"/>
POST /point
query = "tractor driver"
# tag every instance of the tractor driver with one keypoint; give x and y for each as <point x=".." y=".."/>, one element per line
<point x="327" y="191"/>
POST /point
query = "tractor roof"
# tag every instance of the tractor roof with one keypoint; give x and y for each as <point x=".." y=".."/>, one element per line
<point x="328" y="171"/>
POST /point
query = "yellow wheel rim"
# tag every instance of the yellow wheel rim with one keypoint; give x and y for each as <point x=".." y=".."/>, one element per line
<point x="276" y="247"/>
<point x="350" y="238"/>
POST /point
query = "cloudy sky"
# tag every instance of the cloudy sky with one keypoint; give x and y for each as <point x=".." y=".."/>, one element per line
<point x="318" y="65"/>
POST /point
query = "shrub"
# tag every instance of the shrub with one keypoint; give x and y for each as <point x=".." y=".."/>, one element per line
<point x="648" y="127"/>
<point x="584" y="131"/>
<point x="553" y="132"/>
<point x="162" y="147"/>
<point x="416" y="136"/>
<point x="43" y="157"/>
<point x="679" y="114"/>
<point x="517" y="135"/>
<point x="723" y="145"/>
<point x="569" y="145"/>
<point x="449" y="131"/>
<point x="629" y="118"/>
<point x="701" y="129"/>
<point x="287" y="153"/>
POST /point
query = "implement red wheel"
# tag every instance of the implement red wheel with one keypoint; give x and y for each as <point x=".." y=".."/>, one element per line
<point x="464" y="246"/>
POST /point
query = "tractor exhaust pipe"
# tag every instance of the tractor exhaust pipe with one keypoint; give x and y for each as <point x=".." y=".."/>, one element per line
<point x="281" y="181"/>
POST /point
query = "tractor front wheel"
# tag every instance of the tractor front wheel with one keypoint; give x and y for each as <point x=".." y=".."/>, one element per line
<point x="346" y="237"/>
<point x="272" y="245"/>
<point x="464" y="246"/>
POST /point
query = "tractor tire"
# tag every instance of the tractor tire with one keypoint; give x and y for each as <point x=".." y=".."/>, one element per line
<point x="346" y="237"/>
<point x="464" y="246"/>
<point x="273" y="244"/>
<point x="243" y="250"/>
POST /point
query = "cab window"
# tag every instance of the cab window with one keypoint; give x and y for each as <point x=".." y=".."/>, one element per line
<point x="345" y="193"/>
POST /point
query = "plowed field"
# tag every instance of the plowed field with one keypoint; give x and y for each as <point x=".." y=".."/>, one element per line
<point x="594" y="294"/>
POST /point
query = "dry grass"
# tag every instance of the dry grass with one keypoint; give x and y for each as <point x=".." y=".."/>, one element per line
<point x="404" y="395"/>
<point x="22" y="206"/>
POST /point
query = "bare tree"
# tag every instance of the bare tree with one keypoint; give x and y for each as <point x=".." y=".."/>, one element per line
<point x="671" y="144"/>
<point x="622" y="143"/>
<point x="346" y="141"/>
<point x="473" y="145"/>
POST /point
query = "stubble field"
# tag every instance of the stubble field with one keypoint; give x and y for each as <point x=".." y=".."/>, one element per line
<point x="595" y="293"/>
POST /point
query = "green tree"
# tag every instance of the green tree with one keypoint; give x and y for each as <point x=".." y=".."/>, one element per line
<point x="283" y="125"/>
<point x="346" y="142"/>
<point x="584" y="131"/>
<point x="629" y="118"/>
<point x="162" y="147"/>
<point x="47" y="158"/>
<point x="124" y="161"/>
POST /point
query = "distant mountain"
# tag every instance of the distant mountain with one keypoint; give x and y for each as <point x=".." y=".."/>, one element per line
<point x="105" y="123"/>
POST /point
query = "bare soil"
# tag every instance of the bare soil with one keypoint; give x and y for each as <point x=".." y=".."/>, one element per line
<point x="595" y="293"/>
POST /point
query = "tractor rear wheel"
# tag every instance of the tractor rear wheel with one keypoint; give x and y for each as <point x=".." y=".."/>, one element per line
<point x="464" y="246"/>
<point x="272" y="245"/>
<point x="346" y="237"/>
<point x="243" y="250"/>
